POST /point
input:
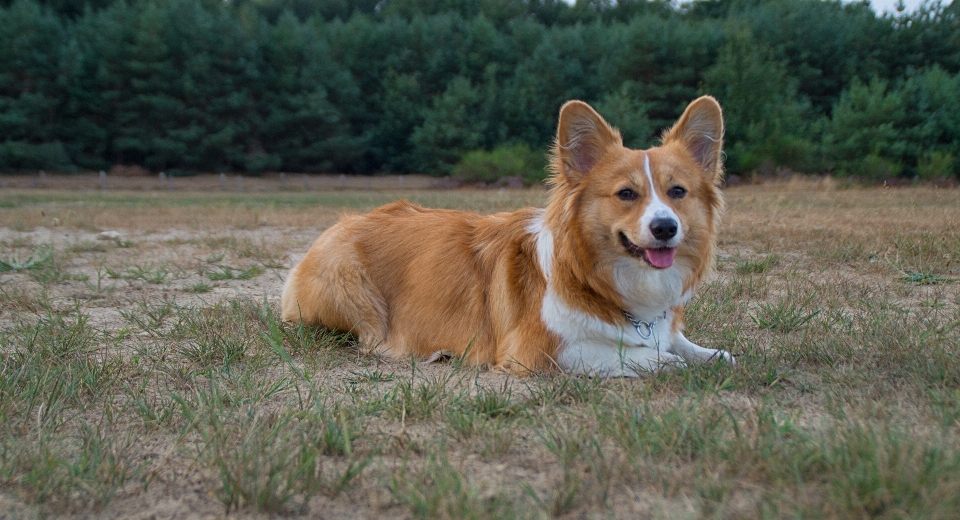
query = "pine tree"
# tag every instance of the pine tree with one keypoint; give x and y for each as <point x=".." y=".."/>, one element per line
<point x="765" y="116"/>
<point x="864" y="136"/>
<point x="452" y="126"/>
<point x="33" y="50"/>
<point x="302" y="89"/>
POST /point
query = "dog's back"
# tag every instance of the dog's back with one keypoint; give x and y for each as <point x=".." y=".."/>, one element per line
<point x="412" y="282"/>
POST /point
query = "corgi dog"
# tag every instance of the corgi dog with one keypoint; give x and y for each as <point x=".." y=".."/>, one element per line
<point x="595" y="283"/>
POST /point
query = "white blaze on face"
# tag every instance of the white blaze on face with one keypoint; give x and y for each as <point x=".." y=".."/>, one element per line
<point x="656" y="209"/>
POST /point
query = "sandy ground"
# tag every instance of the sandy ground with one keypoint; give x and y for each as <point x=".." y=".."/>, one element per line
<point x="186" y="492"/>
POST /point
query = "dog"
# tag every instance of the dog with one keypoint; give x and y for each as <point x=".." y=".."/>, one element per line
<point x="595" y="283"/>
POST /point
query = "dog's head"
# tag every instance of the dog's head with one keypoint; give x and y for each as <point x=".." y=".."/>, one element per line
<point x="660" y="206"/>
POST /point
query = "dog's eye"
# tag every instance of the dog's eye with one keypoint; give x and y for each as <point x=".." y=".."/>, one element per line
<point x="677" y="192"/>
<point x="627" y="194"/>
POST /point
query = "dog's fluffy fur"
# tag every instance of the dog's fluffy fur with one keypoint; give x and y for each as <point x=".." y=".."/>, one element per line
<point x="537" y="289"/>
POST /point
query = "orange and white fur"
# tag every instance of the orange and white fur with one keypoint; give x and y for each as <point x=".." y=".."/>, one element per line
<point x="625" y="231"/>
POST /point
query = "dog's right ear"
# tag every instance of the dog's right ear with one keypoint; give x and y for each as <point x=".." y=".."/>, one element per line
<point x="582" y="139"/>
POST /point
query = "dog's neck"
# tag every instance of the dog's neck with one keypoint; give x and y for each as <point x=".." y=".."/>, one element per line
<point x="569" y="265"/>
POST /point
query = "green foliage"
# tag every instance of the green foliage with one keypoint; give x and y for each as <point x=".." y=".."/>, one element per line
<point x="823" y="45"/>
<point x="626" y="110"/>
<point x="68" y="8"/>
<point x="862" y="137"/>
<point x="302" y="127"/>
<point x="560" y="67"/>
<point x="932" y="99"/>
<point x="40" y="257"/>
<point x="635" y="57"/>
<point x="24" y="155"/>
<point x="390" y="141"/>
<point x="879" y="130"/>
<point x="936" y="165"/>
<point x="450" y="127"/>
<point x="414" y="85"/>
<point x="35" y="54"/>
<point x="515" y="160"/>
<point x="766" y="117"/>
<point x="306" y="9"/>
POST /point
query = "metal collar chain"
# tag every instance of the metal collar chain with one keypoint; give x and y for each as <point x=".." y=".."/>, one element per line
<point x="642" y="326"/>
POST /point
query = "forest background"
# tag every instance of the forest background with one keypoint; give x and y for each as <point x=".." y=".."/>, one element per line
<point x="443" y="86"/>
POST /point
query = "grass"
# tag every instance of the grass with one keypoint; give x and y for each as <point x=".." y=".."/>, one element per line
<point x="39" y="258"/>
<point x="226" y="272"/>
<point x="160" y="373"/>
<point x="786" y="315"/>
<point x="440" y="490"/>
<point x="148" y="272"/>
<point x="756" y="266"/>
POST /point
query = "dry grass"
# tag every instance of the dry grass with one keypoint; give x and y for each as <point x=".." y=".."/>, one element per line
<point x="149" y="374"/>
<point x="154" y="211"/>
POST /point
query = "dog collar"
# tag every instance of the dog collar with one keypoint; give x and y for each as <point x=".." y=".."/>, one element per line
<point x="641" y="325"/>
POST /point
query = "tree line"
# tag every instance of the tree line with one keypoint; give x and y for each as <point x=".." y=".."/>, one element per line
<point x="366" y="86"/>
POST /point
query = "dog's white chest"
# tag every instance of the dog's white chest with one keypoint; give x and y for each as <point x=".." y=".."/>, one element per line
<point x="592" y="346"/>
<point x="575" y="326"/>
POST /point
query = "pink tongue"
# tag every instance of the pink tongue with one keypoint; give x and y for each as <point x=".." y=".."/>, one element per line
<point x="660" y="258"/>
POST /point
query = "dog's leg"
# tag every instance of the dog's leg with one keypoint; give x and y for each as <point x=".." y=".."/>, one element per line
<point x="690" y="351"/>
<point x="609" y="361"/>
<point x="362" y="307"/>
<point x="330" y="287"/>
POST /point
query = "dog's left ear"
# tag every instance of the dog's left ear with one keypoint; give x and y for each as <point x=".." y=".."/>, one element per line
<point x="583" y="137"/>
<point x="700" y="131"/>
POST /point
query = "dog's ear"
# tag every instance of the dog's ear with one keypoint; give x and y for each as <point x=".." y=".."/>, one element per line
<point x="700" y="130"/>
<point x="582" y="139"/>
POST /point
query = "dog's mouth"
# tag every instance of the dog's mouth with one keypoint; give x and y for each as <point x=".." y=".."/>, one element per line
<point x="658" y="257"/>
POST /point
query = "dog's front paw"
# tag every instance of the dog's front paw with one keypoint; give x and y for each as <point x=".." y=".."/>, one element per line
<point x="693" y="352"/>
<point x="723" y="355"/>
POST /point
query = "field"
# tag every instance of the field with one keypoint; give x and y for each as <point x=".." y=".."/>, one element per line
<point x="146" y="375"/>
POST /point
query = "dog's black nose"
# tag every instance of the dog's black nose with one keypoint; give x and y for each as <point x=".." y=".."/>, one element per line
<point x="663" y="228"/>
